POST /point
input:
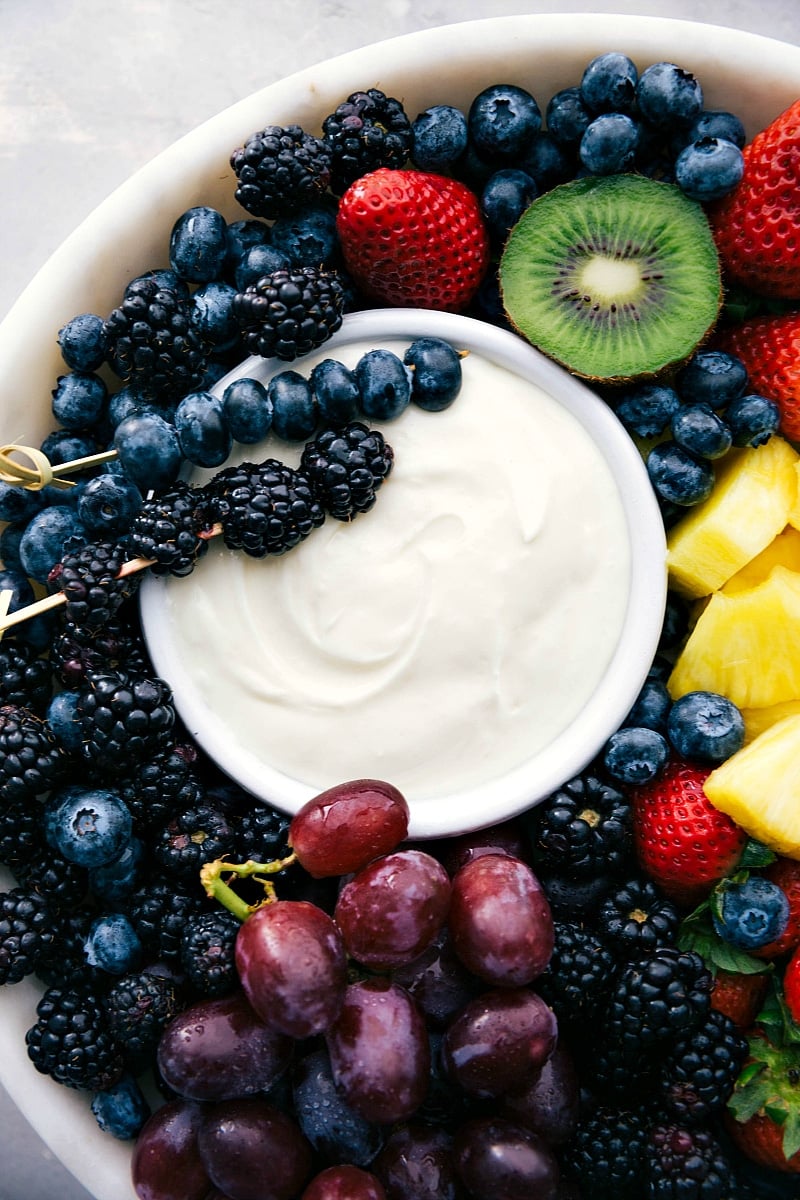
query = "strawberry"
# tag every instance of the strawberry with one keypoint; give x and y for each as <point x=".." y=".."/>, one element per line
<point x="763" y="1115"/>
<point x="682" y="842"/>
<point x="769" y="347"/>
<point x="757" y="225"/>
<point x="786" y="873"/>
<point x="791" y="987"/>
<point x="413" y="239"/>
<point x="738" y="996"/>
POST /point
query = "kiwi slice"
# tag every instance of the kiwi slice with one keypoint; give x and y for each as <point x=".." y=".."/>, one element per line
<point x="614" y="276"/>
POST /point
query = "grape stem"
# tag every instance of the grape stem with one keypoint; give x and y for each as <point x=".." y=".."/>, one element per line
<point x="219" y="888"/>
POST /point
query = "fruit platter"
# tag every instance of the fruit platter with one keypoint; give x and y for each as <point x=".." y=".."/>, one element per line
<point x="210" y="990"/>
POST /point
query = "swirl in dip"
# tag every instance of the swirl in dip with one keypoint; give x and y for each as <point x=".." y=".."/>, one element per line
<point x="440" y="640"/>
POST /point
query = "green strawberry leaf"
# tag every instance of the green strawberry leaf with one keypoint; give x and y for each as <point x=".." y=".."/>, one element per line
<point x="775" y="1018"/>
<point x="752" y="1092"/>
<point x="756" y="855"/>
<point x="791" y="1133"/>
<point x="740" y="304"/>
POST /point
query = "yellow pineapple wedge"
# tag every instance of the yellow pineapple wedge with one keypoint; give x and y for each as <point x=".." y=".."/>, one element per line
<point x="794" y="515"/>
<point x="754" y="493"/>
<point x="759" y="787"/>
<point x="746" y="645"/>
<point x="783" y="551"/>
<point x="757" y="720"/>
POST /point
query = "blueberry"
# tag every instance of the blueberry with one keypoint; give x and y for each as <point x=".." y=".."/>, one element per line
<point x="677" y="477"/>
<point x="202" y="430"/>
<point x="547" y="162"/>
<point x="669" y="97"/>
<point x="718" y="124"/>
<point x="248" y="410"/>
<point x="149" y="450"/>
<point x="676" y="622"/>
<point x="17" y="503"/>
<point x="294" y="409"/>
<point x="241" y="236"/>
<point x="82" y="342"/>
<point x="62" y="717"/>
<point x="114" y="881"/>
<point x="751" y="913"/>
<point x="89" y="826"/>
<point x="635" y="754"/>
<point x="701" y="431"/>
<point x="609" y="84"/>
<point x="334" y="1129"/>
<point x="112" y="944"/>
<point x="64" y="445"/>
<point x="79" y="399"/>
<point x="165" y="277"/>
<point x="502" y="119"/>
<point x="752" y="419"/>
<point x="651" y="707"/>
<point x="256" y="262"/>
<point x="705" y="727"/>
<point x="46" y="535"/>
<point x="10" y="539"/>
<point x="567" y="117"/>
<point x="198" y="244"/>
<point x="36" y="631"/>
<point x="437" y="373"/>
<point x="212" y="314"/>
<point x="124" y="403"/>
<point x="708" y="169"/>
<point x="609" y="143"/>
<point x="712" y="377"/>
<point x="508" y="192"/>
<point x="440" y="138"/>
<point x="647" y="410"/>
<point x="384" y="383"/>
<point x="307" y="238"/>
<point x="337" y="393"/>
<point x="121" y="1110"/>
<point x="108" y="504"/>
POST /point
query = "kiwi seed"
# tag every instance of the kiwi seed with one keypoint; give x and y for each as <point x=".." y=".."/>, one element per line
<point x="613" y="276"/>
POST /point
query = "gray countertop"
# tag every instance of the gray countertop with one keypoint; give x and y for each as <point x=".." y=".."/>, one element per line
<point x="91" y="90"/>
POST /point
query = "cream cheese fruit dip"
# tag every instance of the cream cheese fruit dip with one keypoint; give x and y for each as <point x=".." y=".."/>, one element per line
<point x="439" y="641"/>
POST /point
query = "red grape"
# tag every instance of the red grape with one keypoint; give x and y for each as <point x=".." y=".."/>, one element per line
<point x="345" y="827"/>
<point x="500" y="920"/>
<point x="292" y="965"/>
<point x="392" y="909"/>
<point x="253" y="1151"/>
<point x="166" y="1163"/>
<point x="416" y="1163"/>
<point x="548" y="1103"/>
<point x="379" y="1051"/>
<point x="504" y="838"/>
<point x="498" y="1041"/>
<point x="218" y="1049"/>
<point x="498" y="1160"/>
<point x="438" y="981"/>
<point x="344" y="1183"/>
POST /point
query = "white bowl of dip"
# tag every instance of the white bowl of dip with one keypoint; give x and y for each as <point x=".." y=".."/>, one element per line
<point x="474" y="639"/>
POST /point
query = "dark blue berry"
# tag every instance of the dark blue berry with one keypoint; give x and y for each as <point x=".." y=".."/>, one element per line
<point x="609" y="143"/>
<point x="609" y="84"/>
<point x="198" y="244"/>
<point x="88" y="826"/>
<point x="635" y="754"/>
<point x="701" y="431"/>
<point x="212" y="314"/>
<point x="668" y="96"/>
<point x="437" y="373"/>
<point x="711" y="377"/>
<point x="508" y="192"/>
<point x="647" y="410"/>
<point x="718" y="123"/>
<point x="248" y="410"/>
<point x="112" y="944"/>
<point x="334" y="1129"/>
<point x="651" y="708"/>
<point x="308" y="238"/>
<point x="122" y="1109"/>
<point x="547" y="162"/>
<point x="502" y="119"/>
<point x="708" y="169"/>
<point x="114" y="881"/>
<point x="752" y="419"/>
<point x="294" y="410"/>
<point x="676" y="623"/>
<point x="108" y="504"/>
<point x="18" y="503"/>
<point x="202" y="429"/>
<point x="79" y="399"/>
<point x="440" y="138"/>
<point x="705" y="727"/>
<point x="677" y="477"/>
<point x="567" y="117"/>
<point x="82" y="342"/>
<point x="61" y="717"/>
<point x="750" y="913"/>
<point x="384" y="384"/>
<point x="256" y="262"/>
<point x="45" y="538"/>
<point x="241" y="236"/>
<point x="149" y="450"/>
<point x="37" y="631"/>
<point x="337" y="393"/>
<point x="163" y="277"/>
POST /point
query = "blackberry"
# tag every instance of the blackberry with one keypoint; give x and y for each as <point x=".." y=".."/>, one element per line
<point x="367" y="131"/>
<point x="264" y="509"/>
<point x="63" y="962"/>
<point x="281" y="169"/>
<point x="579" y="975"/>
<point x="606" y="1153"/>
<point x="152" y="343"/>
<point x="262" y="833"/>
<point x="77" y="653"/>
<point x="191" y="838"/>
<point x="159" y="788"/>
<point x="71" y="1041"/>
<point x="207" y="952"/>
<point x="20" y="834"/>
<point x="90" y="582"/>
<point x="584" y="828"/>
<point x="658" y="996"/>
<point x="168" y="528"/>
<point x="159" y="909"/>
<point x="61" y="883"/>
<point x="137" y="1007"/>
<point x="31" y="760"/>
<point x="124" y="718"/>
<point x="346" y="467"/>
<point x="290" y="312"/>
<point x="701" y="1068"/>
<point x="635" y="918"/>
<point x="686" y="1164"/>
<point x="26" y="929"/>
<point x="25" y="679"/>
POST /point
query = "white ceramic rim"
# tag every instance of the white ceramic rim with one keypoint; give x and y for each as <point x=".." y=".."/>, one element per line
<point x="569" y="753"/>
<point x="117" y="241"/>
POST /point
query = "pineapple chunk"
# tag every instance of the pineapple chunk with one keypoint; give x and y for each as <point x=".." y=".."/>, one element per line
<point x="759" y="787"/>
<point x="783" y="551"/>
<point x="794" y="515"/>
<point x="755" y="491"/>
<point x="746" y="645"/>
<point x="757" y="720"/>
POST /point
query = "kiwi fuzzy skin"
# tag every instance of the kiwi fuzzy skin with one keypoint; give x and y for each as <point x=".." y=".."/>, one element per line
<point x="528" y="284"/>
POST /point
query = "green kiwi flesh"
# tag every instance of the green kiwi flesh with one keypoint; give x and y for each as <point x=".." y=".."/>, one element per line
<point x="614" y="276"/>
